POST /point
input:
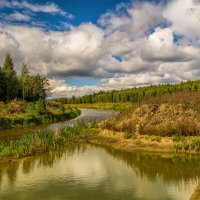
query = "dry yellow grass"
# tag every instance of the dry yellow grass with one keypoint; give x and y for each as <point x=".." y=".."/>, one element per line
<point x="118" y="140"/>
<point x="163" y="120"/>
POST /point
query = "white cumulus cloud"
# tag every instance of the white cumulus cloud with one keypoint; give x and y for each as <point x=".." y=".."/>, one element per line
<point x="144" y="36"/>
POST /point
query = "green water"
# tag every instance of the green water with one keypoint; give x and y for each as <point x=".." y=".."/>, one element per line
<point x="95" y="173"/>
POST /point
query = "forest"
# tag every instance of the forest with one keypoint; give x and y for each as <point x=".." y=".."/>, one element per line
<point x="24" y="86"/>
<point x="133" y="94"/>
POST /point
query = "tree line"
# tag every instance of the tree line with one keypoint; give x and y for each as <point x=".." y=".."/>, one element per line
<point x="24" y="86"/>
<point x="133" y="94"/>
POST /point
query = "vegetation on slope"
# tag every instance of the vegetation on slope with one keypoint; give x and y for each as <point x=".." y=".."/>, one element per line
<point x="170" y="122"/>
<point x="21" y="113"/>
<point x="161" y="120"/>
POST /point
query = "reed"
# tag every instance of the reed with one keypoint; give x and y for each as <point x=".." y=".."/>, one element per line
<point x="42" y="141"/>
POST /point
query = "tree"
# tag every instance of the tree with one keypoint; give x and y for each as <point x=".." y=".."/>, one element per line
<point x="25" y="81"/>
<point x="11" y="80"/>
<point x="30" y="88"/>
<point x="43" y="87"/>
<point x="2" y="86"/>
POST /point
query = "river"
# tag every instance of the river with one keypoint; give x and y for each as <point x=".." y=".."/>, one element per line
<point x="87" y="115"/>
<point x="91" y="172"/>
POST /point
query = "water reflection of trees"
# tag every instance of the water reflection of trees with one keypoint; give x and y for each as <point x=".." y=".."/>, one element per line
<point x="172" y="168"/>
<point x="10" y="169"/>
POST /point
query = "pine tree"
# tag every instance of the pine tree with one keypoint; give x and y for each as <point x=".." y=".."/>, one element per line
<point x="11" y="80"/>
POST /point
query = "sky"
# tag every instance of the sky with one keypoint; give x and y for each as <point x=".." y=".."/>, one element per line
<point x="84" y="46"/>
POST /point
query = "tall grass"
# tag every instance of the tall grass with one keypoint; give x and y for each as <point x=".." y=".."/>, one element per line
<point x="42" y="141"/>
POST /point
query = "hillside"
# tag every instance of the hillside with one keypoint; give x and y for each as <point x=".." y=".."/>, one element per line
<point x="161" y="120"/>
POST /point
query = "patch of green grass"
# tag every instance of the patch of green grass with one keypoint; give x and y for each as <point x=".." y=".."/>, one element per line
<point x="186" y="144"/>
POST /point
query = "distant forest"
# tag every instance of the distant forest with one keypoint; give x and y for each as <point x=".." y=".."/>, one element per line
<point x="133" y="94"/>
<point x="24" y="86"/>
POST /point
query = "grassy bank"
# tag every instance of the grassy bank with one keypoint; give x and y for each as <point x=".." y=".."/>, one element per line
<point x="145" y="143"/>
<point x="50" y="140"/>
<point x="19" y="113"/>
<point x="41" y="142"/>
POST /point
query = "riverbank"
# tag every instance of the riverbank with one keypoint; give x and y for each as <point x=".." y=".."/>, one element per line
<point x="145" y="143"/>
<point x="20" y="113"/>
<point x="41" y="142"/>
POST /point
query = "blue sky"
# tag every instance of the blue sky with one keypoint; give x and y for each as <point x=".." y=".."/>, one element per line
<point x="84" y="46"/>
<point x="81" y="11"/>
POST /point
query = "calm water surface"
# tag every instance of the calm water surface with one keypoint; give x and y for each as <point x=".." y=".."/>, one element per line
<point x="96" y="173"/>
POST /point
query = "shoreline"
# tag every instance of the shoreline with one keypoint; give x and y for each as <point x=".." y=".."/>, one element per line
<point x="115" y="140"/>
<point x="48" y="120"/>
<point x="144" y="143"/>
